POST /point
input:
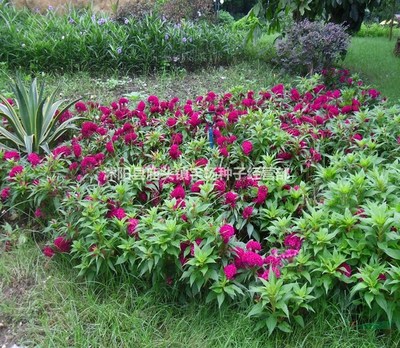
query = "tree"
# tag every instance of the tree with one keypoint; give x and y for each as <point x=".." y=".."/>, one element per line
<point x="348" y="12"/>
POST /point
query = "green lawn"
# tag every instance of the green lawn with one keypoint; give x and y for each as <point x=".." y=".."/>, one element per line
<point x="374" y="60"/>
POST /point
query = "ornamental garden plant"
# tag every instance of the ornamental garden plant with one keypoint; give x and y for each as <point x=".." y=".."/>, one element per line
<point x="281" y="199"/>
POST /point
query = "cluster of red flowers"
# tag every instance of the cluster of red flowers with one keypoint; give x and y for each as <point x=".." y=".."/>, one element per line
<point x="158" y="131"/>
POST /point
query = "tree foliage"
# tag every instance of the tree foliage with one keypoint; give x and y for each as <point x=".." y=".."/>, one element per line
<point x="348" y="12"/>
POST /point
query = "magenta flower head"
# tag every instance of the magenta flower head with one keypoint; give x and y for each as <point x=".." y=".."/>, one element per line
<point x="201" y="162"/>
<point x="247" y="147"/>
<point x="80" y="107"/>
<point x="118" y="213"/>
<point x="278" y="90"/>
<point x="77" y="150"/>
<point x="48" y="251"/>
<point x="14" y="155"/>
<point x="62" y="244"/>
<point x="231" y="198"/>
<point x="174" y="152"/>
<point x="196" y="186"/>
<point x="5" y="193"/>
<point x="110" y="147"/>
<point x="178" y="193"/>
<point x="265" y="275"/>
<point x="226" y="232"/>
<point x="101" y="178"/>
<point x="230" y="271"/>
<point x="252" y="259"/>
<point x="171" y="122"/>
<point x="15" y="171"/>
<point x="132" y="226"/>
<point x="253" y="245"/>
<point x="293" y="241"/>
<point x="262" y="194"/>
<point x="247" y="212"/>
<point x="220" y="185"/>
<point x="38" y="213"/>
<point x="345" y="269"/>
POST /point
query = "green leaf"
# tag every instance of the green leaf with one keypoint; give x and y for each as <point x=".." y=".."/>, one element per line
<point x="299" y="320"/>
<point x="285" y="327"/>
<point x="368" y="298"/>
<point x="256" y="310"/>
<point x="358" y="287"/>
<point x="393" y="253"/>
<point x="220" y="299"/>
<point x="250" y="230"/>
<point x="271" y="323"/>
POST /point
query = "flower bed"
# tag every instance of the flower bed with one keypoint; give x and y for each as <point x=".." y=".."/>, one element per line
<point x="287" y="196"/>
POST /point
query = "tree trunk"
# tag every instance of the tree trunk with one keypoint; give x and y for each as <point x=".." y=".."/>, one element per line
<point x="397" y="48"/>
<point x="392" y="22"/>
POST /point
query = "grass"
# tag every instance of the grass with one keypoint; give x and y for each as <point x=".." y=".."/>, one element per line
<point x="374" y="60"/>
<point x="43" y="304"/>
<point x="255" y="75"/>
<point x="362" y="58"/>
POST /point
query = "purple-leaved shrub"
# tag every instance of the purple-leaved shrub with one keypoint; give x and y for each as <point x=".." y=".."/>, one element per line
<point x="309" y="47"/>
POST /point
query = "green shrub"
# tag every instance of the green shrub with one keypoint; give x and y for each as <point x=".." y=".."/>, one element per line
<point x="225" y="18"/>
<point x="81" y="41"/>
<point x="377" y="30"/>
<point x="263" y="49"/>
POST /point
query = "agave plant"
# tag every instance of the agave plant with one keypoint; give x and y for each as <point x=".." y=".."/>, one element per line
<point x="32" y="122"/>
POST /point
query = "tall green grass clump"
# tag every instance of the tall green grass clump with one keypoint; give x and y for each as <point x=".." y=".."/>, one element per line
<point x="81" y="40"/>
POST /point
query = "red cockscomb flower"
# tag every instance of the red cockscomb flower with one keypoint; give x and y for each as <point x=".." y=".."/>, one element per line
<point x="253" y="245"/>
<point x="178" y="193"/>
<point x="231" y="198"/>
<point x="15" y="171"/>
<point x="80" y="107"/>
<point x="247" y="212"/>
<point x="247" y="147"/>
<point x="174" y="152"/>
<point x="5" y="193"/>
<point x="226" y="232"/>
<point x="345" y="269"/>
<point x="230" y="271"/>
<point x="62" y="244"/>
<point x="118" y="213"/>
<point x="101" y="178"/>
<point x="14" y="155"/>
<point x="34" y="159"/>
<point x="77" y="150"/>
<point x="48" y="251"/>
<point x="262" y="194"/>
<point x="132" y="226"/>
